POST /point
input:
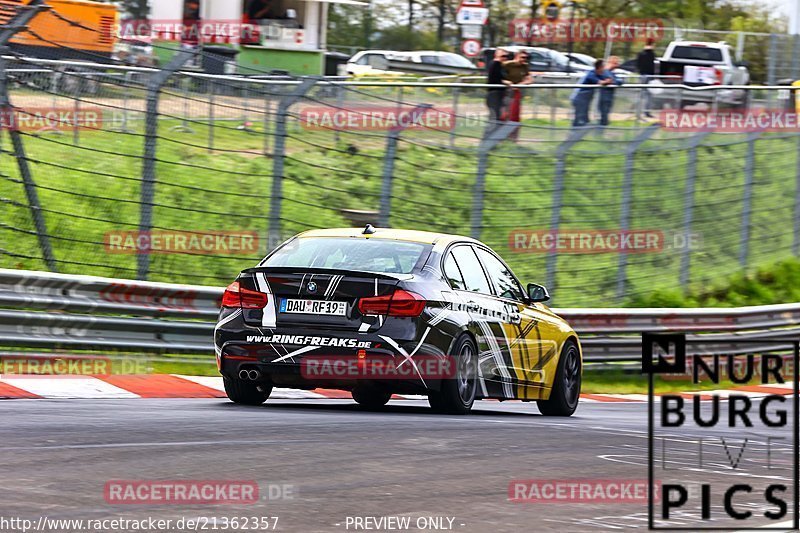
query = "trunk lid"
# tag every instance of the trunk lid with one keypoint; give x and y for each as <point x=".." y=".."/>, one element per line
<point x="317" y="298"/>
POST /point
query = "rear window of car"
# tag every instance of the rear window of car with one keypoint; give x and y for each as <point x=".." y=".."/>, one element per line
<point x="697" y="53"/>
<point x="347" y="253"/>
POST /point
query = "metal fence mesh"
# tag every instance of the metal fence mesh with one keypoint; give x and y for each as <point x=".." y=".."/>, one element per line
<point x="245" y="155"/>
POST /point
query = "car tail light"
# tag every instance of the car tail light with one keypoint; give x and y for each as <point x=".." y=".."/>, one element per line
<point x="237" y="296"/>
<point x="720" y="76"/>
<point x="401" y="303"/>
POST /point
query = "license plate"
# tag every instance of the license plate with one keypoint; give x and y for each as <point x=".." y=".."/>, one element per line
<point x="313" y="307"/>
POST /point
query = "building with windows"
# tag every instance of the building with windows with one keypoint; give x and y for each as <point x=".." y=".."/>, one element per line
<point x="288" y="35"/>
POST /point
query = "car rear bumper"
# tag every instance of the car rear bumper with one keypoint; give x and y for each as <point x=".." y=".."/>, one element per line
<point x="308" y="359"/>
<point x="722" y="96"/>
<point x="330" y="371"/>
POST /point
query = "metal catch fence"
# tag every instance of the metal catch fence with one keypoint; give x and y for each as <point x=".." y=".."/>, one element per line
<point x="173" y="175"/>
<point x="109" y="159"/>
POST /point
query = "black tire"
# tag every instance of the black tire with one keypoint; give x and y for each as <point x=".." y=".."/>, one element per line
<point x="456" y="395"/>
<point x="371" y="398"/>
<point x="246" y="392"/>
<point x="567" y="384"/>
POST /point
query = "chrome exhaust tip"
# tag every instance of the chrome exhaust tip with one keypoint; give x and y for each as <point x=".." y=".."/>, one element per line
<point x="254" y="375"/>
<point x="244" y="374"/>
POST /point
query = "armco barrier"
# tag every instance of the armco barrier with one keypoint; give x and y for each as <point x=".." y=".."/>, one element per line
<point x="40" y="310"/>
<point x="45" y="310"/>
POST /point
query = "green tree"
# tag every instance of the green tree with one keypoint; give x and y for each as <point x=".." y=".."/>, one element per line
<point x="350" y="26"/>
<point x="403" y="38"/>
<point x="136" y="9"/>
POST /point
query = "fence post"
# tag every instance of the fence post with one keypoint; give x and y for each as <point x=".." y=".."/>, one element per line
<point x="246" y="106"/>
<point x="184" y="126"/>
<point x="126" y="98"/>
<point x="558" y="192"/>
<point x="688" y="203"/>
<point x="772" y="57"/>
<point x="388" y="167"/>
<point x="625" y="215"/>
<point x="340" y="94"/>
<point x="492" y="136"/>
<point x="154" y="86"/>
<point x="749" y="167"/>
<point x="25" y="13"/>
<point x="739" y="54"/>
<point x="211" y="114"/>
<point x="77" y="108"/>
<point x="796" y="241"/>
<point x="276" y="196"/>
<point x="267" y="118"/>
<point x="386" y="180"/>
<point x="795" y="72"/>
<point x="456" y="93"/>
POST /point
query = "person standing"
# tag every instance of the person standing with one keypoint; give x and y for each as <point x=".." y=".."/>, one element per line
<point x="582" y="97"/>
<point x="495" y="96"/>
<point x="646" y="65"/>
<point x="606" y="99"/>
<point x="517" y="72"/>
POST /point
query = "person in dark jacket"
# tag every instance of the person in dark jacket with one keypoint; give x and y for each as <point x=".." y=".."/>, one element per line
<point x="606" y="99"/>
<point x="583" y="96"/>
<point x="495" y="96"/>
<point x="646" y="65"/>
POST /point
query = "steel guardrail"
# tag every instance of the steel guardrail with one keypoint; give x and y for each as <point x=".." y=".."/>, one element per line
<point x="42" y="310"/>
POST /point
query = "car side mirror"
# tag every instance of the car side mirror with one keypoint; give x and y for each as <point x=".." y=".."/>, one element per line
<point x="537" y="293"/>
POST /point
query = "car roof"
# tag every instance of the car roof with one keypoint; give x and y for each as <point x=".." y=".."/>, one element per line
<point x="512" y="47"/>
<point x="381" y="52"/>
<point x="433" y="52"/>
<point x="425" y="237"/>
<point x="705" y="44"/>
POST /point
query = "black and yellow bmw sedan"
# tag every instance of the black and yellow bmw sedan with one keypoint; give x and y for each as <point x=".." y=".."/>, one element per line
<point x="383" y="311"/>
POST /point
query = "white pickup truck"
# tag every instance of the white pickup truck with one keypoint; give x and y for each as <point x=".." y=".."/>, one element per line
<point x="698" y="64"/>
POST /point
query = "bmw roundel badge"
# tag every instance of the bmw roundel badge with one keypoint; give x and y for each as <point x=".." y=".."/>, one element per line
<point x="312" y="287"/>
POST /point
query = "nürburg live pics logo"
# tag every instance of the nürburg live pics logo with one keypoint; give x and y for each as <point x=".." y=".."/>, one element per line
<point x="722" y="432"/>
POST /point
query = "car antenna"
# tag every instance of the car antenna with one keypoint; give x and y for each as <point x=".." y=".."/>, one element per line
<point x="369" y="230"/>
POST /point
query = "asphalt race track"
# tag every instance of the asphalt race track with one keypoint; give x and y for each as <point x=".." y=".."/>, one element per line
<point x="341" y="461"/>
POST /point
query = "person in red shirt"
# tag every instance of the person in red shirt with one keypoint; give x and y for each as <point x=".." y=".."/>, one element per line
<point x="516" y="72"/>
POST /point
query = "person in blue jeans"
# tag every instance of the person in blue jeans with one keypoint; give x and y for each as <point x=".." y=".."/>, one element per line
<point x="606" y="99"/>
<point x="582" y="98"/>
